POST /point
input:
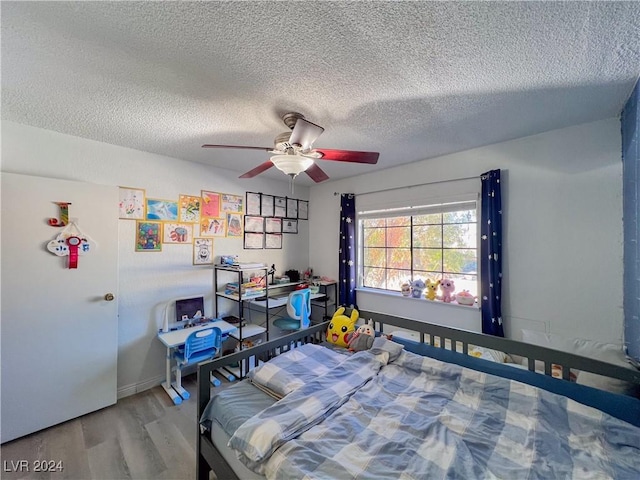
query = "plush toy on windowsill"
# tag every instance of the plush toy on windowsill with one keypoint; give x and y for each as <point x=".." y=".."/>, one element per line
<point x="448" y="287"/>
<point x="417" y="287"/>
<point x="432" y="289"/>
<point x="362" y="338"/>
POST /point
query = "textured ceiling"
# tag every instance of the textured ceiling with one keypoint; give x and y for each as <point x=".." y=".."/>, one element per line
<point x="412" y="80"/>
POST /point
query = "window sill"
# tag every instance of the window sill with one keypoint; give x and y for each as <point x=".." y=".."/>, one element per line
<point x="386" y="293"/>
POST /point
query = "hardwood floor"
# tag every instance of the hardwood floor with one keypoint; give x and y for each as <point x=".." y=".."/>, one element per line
<point x="144" y="436"/>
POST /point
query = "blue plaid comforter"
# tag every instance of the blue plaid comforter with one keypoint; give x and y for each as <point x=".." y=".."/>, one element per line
<point x="417" y="417"/>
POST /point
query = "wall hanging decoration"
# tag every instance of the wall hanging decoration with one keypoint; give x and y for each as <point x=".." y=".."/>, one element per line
<point x="273" y="240"/>
<point x="177" y="232"/>
<point x="253" y="240"/>
<point x="273" y="225"/>
<point x="202" y="251"/>
<point x="266" y="206"/>
<point x="280" y="207"/>
<point x="213" y="227"/>
<point x="210" y="204"/>
<point x="189" y="208"/>
<point x="132" y="203"/>
<point x="232" y="203"/>
<point x="64" y="215"/>
<point x="234" y="225"/>
<point x="148" y="236"/>
<point x="253" y="224"/>
<point x="303" y="210"/>
<point x="71" y="242"/>
<point x="292" y="208"/>
<point x="158" y="209"/>
<point x="289" y="225"/>
<point x="253" y="203"/>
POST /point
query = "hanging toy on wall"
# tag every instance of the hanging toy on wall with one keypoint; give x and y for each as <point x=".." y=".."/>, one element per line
<point x="64" y="215"/>
<point x="71" y="242"/>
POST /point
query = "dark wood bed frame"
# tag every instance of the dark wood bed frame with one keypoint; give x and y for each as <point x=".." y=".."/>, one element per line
<point x="209" y="458"/>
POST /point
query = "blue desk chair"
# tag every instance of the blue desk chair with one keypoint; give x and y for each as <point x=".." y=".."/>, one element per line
<point x="299" y="309"/>
<point x="200" y="346"/>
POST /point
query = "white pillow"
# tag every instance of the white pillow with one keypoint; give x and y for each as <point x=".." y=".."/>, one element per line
<point x="605" y="352"/>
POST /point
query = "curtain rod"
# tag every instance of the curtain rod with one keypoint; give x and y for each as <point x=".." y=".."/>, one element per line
<point x="410" y="186"/>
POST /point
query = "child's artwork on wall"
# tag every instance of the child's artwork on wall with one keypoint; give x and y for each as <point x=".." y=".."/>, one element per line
<point x="234" y="225"/>
<point x="232" y="203"/>
<point x="202" y="251"/>
<point x="177" y="233"/>
<point x="158" y="209"/>
<point x="190" y="208"/>
<point x="132" y="202"/>
<point x="210" y="204"/>
<point x="148" y="236"/>
<point x="213" y="227"/>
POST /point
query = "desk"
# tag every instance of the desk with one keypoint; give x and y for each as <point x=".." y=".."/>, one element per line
<point x="176" y="339"/>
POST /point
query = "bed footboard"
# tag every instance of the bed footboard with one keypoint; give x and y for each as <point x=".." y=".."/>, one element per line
<point x="208" y="456"/>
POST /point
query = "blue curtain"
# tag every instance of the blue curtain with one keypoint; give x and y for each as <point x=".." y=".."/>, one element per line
<point x="347" y="252"/>
<point x="491" y="253"/>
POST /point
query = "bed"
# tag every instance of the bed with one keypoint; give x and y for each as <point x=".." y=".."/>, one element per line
<point x="408" y="409"/>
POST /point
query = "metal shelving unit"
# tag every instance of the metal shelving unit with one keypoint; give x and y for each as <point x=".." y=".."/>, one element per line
<point x="244" y="331"/>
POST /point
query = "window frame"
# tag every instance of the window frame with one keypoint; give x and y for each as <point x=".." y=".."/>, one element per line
<point x="427" y="207"/>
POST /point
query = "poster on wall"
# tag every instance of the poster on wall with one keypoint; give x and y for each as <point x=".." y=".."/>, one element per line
<point x="231" y="203"/>
<point x="177" y="232"/>
<point x="189" y="209"/>
<point x="202" y="251"/>
<point x="148" y="236"/>
<point x="132" y="202"/>
<point x="210" y="204"/>
<point x="158" y="209"/>
<point x="234" y="225"/>
<point x="213" y="227"/>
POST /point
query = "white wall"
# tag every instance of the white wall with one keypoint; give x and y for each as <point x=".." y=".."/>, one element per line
<point x="147" y="279"/>
<point x="562" y="247"/>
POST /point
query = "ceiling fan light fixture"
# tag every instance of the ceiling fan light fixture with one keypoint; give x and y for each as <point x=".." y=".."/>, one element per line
<point x="292" y="165"/>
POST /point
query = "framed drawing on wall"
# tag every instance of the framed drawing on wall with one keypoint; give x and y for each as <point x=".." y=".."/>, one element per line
<point x="253" y="203"/>
<point x="203" y="251"/>
<point x="213" y="227"/>
<point x="292" y="208"/>
<point x="253" y="224"/>
<point x="234" y="225"/>
<point x="273" y="225"/>
<point x="266" y="206"/>
<point x="303" y="210"/>
<point x="177" y="232"/>
<point x="158" y="209"/>
<point x="189" y="209"/>
<point x="280" y="207"/>
<point x="210" y="204"/>
<point x="289" y="225"/>
<point x="231" y="203"/>
<point x="148" y="236"/>
<point x="253" y="240"/>
<point x="273" y="240"/>
<point x="131" y="203"/>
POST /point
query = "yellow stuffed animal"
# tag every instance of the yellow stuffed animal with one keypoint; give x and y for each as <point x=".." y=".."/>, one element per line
<point x="341" y="326"/>
<point x="432" y="289"/>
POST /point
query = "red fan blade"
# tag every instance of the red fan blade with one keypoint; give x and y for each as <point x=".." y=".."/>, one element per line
<point x="259" y="169"/>
<point x="316" y="173"/>
<point x="305" y="133"/>
<point x="266" y="149"/>
<point x="348" y="156"/>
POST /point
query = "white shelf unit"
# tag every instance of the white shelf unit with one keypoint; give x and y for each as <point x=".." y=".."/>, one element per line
<point x="228" y="274"/>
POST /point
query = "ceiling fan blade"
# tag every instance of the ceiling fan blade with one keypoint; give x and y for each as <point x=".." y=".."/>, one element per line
<point x="305" y="133"/>
<point x="348" y="156"/>
<point x="256" y="171"/>
<point x="316" y="173"/>
<point x="266" y="149"/>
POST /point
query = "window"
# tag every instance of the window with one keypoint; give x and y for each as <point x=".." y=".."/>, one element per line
<point x="404" y="244"/>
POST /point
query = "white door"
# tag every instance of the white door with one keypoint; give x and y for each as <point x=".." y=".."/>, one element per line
<point x="59" y="333"/>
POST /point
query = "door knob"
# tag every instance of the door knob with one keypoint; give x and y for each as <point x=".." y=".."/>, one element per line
<point x="109" y="297"/>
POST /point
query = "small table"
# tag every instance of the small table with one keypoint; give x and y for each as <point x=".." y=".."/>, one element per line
<point x="177" y="338"/>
